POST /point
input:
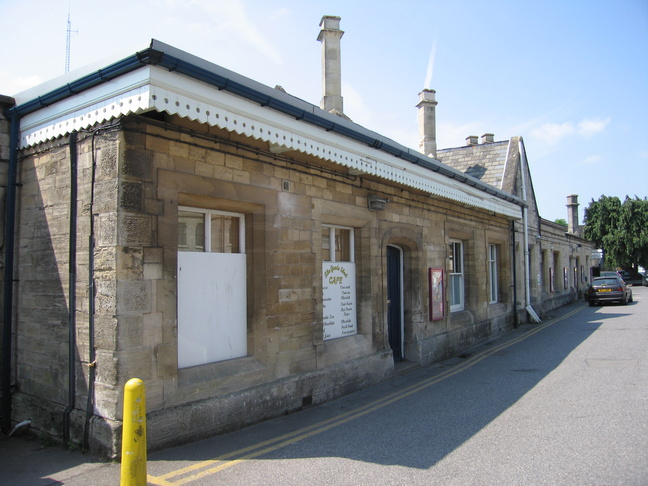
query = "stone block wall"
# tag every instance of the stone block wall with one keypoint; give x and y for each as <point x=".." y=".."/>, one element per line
<point x="145" y="170"/>
<point x="42" y="293"/>
<point x="5" y="102"/>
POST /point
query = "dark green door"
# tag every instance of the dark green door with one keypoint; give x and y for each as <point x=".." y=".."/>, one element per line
<point x="394" y="301"/>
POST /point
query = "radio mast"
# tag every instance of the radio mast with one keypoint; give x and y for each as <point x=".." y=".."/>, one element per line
<point x="67" y="44"/>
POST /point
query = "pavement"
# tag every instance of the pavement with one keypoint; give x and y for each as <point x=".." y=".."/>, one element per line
<point x="27" y="460"/>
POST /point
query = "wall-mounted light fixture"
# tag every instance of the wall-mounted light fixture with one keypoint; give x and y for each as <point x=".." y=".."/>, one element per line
<point x="376" y="203"/>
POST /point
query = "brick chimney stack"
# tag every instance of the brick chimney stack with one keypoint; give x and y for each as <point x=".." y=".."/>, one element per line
<point x="572" y="214"/>
<point x="330" y="36"/>
<point x="427" y="122"/>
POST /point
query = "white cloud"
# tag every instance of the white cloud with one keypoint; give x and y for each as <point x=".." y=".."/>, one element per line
<point x="591" y="159"/>
<point x="282" y="12"/>
<point x="452" y="135"/>
<point x="227" y="20"/>
<point x="12" y="85"/>
<point x="591" y="126"/>
<point x="552" y="133"/>
<point x="356" y="108"/>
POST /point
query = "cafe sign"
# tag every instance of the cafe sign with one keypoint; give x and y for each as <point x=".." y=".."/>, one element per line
<point x="339" y="299"/>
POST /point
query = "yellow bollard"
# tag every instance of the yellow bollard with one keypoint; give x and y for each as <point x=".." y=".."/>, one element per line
<point x="133" y="458"/>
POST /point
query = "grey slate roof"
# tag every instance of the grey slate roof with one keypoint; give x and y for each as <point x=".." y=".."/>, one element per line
<point x="486" y="161"/>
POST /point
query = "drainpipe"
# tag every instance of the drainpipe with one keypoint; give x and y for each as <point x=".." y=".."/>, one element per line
<point x="514" y="268"/>
<point x="525" y="217"/>
<point x="91" y="307"/>
<point x="91" y="345"/>
<point x="72" y="288"/>
<point x="14" y="137"/>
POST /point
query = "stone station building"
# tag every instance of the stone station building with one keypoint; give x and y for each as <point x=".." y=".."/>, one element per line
<point x="243" y="252"/>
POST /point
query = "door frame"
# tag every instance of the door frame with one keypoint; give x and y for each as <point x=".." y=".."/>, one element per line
<point x="400" y="296"/>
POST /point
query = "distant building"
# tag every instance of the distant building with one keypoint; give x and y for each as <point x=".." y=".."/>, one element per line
<point x="559" y="261"/>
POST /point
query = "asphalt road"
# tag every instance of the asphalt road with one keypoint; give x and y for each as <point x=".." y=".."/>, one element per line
<point x="562" y="402"/>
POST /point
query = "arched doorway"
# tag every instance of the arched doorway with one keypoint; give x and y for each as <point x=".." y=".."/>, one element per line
<point x="395" y="308"/>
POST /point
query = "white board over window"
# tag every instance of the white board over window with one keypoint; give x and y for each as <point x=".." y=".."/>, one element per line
<point x="212" y="315"/>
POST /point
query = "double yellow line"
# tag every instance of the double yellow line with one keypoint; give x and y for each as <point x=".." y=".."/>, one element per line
<point x="209" y="467"/>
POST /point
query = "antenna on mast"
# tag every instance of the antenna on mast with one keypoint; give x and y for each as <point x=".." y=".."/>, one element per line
<point x="67" y="44"/>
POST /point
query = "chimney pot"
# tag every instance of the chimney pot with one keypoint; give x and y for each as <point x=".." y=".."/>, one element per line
<point x="487" y="138"/>
<point x="472" y="140"/>
<point x="427" y="95"/>
<point x="330" y="22"/>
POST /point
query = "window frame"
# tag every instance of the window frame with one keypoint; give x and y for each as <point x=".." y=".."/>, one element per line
<point x="207" y="213"/>
<point x="493" y="273"/>
<point x="454" y="275"/>
<point x="331" y="244"/>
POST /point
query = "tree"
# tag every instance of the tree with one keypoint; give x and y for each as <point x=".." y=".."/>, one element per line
<point x="561" y="222"/>
<point x="634" y="221"/>
<point x="620" y="229"/>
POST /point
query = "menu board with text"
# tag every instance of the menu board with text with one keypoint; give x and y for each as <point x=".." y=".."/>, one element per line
<point x="339" y="299"/>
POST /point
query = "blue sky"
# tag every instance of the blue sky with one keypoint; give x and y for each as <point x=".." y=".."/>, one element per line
<point x="569" y="76"/>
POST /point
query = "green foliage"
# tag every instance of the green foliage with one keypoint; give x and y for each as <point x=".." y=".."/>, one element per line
<point x="621" y="229"/>
<point x="561" y="222"/>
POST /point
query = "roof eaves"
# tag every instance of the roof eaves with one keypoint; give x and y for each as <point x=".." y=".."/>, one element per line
<point x="179" y="61"/>
<point x="124" y="66"/>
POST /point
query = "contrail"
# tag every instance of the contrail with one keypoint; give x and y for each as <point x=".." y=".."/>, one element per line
<point x="430" y="68"/>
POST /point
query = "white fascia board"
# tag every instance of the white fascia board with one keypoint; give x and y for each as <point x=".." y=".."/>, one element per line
<point x="127" y="94"/>
<point x="156" y="88"/>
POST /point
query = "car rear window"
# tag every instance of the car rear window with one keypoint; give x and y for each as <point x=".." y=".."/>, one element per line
<point x="605" y="281"/>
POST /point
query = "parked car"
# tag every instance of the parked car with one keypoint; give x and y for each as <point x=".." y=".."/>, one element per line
<point x="631" y="277"/>
<point x="609" y="273"/>
<point x="644" y="279"/>
<point x="608" y="289"/>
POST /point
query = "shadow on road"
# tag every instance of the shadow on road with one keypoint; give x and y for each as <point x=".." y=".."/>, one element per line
<point x="427" y="414"/>
<point x="414" y="420"/>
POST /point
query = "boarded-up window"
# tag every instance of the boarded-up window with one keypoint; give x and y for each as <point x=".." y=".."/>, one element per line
<point x="212" y="299"/>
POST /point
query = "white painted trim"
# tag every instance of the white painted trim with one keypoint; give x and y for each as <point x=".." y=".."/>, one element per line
<point x="333" y="228"/>
<point x="207" y="221"/>
<point x="462" y="275"/>
<point x="493" y="271"/>
<point x="155" y="88"/>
